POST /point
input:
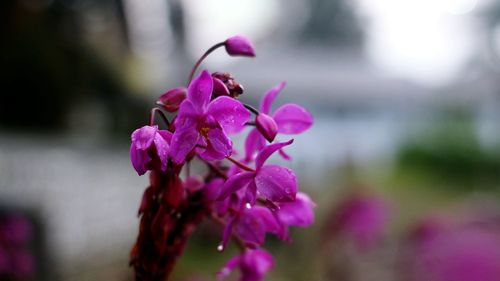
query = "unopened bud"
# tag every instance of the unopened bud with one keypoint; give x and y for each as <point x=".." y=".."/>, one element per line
<point x="171" y="100"/>
<point x="266" y="126"/>
<point x="220" y="89"/>
<point x="239" y="46"/>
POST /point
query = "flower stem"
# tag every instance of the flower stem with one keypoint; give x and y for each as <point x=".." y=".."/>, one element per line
<point x="239" y="164"/>
<point x="251" y="108"/>
<point x="213" y="48"/>
<point x="214" y="169"/>
<point x="162" y="115"/>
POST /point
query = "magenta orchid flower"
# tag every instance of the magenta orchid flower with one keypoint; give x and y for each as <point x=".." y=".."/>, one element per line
<point x="251" y="225"/>
<point x="297" y="213"/>
<point x="361" y="219"/>
<point x="149" y="149"/>
<point x="206" y="123"/>
<point x="253" y="265"/>
<point x="248" y="197"/>
<point x="456" y="253"/>
<point x="290" y="119"/>
<point x="273" y="182"/>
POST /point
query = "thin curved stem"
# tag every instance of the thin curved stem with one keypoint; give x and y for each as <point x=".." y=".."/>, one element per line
<point x="197" y="64"/>
<point x="162" y="115"/>
<point x="214" y="168"/>
<point x="239" y="164"/>
<point x="251" y="108"/>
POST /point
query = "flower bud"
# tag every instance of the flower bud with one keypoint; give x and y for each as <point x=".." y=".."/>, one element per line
<point x="266" y="126"/>
<point x="172" y="99"/>
<point x="239" y="46"/>
<point x="235" y="89"/>
<point x="220" y="89"/>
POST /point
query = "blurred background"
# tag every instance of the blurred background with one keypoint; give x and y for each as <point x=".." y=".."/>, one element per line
<point x="403" y="160"/>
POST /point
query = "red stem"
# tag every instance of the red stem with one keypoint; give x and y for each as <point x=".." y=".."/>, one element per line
<point x="239" y="164"/>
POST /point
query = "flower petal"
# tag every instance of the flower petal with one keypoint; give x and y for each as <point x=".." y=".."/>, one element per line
<point x="298" y="212"/>
<point x="219" y="145"/>
<point x="276" y="183"/>
<point x="228" y="267"/>
<point x="188" y="117"/>
<point x="220" y="89"/>
<point x="229" y="112"/>
<point x="200" y="91"/>
<point x="292" y="119"/>
<point x="227" y="233"/>
<point x="267" y="151"/>
<point x="269" y="221"/>
<point x="235" y="183"/>
<point x="254" y="142"/>
<point x="255" y="264"/>
<point x="183" y="141"/>
<point x="267" y="100"/>
<point x="251" y="193"/>
<point x="162" y="147"/>
<point x="253" y="225"/>
<point x="139" y="158"/>
<point x="212" y="189"/>
<point x="142" y="138"/>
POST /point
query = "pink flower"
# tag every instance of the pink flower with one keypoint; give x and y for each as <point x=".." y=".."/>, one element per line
<point x="458" y="254"/>
<point x="205" y="123"/>
<point x="149" y="149"/>
<point x="361" y="219"/>
<point x="296" y="213"/>
<point x="273" y="182"/>
<point x="239" y="45"/>
<point x="290" y="119"/>
<point x="251" y="225"/>
<point x="16" y="230"/>
<point x="253" y="265"/>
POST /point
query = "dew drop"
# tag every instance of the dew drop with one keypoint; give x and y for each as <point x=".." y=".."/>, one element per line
<point x="248" y="206"/>
<point x="220" y="248"/>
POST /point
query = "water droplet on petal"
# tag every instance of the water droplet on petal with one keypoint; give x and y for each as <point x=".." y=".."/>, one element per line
<point x="248" y="206"/>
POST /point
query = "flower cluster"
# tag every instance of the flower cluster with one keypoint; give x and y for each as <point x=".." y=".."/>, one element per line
<point x="246" y="195"/>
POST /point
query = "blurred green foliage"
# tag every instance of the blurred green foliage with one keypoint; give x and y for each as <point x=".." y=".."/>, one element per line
<point x="449" y="151"/>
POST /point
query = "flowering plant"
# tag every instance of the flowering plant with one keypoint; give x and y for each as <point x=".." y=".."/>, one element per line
<point x="247" y="197"/>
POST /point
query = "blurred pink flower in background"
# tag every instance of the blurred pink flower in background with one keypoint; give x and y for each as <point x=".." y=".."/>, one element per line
<point x="441" y="250"/>
<point x="16" y="259"/>
<point x="361" y="219"/>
